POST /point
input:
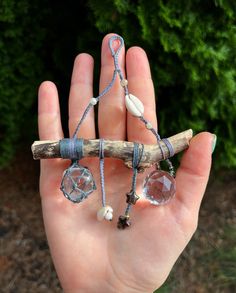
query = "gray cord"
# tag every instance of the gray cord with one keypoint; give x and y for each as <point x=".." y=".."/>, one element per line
<point x="115" y="55"/>
<point x="123" y="221"/>
<point x="90" y="105"/>
<point x="101" y="167"/>
<point x="169" y="146"/>
<point x="132" y="196"/>
<point x="71" y="148"/>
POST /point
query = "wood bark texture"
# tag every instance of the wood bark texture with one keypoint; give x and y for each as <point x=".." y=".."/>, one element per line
<point x="122" y="150"/>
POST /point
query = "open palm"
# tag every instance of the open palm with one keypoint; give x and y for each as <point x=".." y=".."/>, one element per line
<point x="92" y="256"/>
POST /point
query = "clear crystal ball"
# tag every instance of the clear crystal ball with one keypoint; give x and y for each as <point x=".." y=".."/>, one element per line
<point x="159" y="187"/>
<point x="77" y="183"/>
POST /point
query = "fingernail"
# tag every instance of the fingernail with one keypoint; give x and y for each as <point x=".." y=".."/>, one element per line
<point x="214" y="142"/>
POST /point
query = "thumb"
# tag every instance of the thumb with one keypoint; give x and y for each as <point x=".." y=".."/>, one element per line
<point x="193" y="173"/>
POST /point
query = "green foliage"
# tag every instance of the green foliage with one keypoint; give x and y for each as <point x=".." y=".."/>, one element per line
<point x="191" y="46"/>
<point x="38" y="41"/>
<point x="20" y="66"/>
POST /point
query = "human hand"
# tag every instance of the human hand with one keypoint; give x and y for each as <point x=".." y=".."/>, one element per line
<point x="91" y="256"/>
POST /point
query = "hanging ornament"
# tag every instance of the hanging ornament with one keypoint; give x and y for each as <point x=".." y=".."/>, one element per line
<point x="77" y="183"/>
<point x="131" y="197"/>
<point x="159" y="187"/>
<point x="106" y="211"/>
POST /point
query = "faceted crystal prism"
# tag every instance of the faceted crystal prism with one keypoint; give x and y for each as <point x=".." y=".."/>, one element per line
<point x="159" y="187"/>
<point x="77" y="183"/>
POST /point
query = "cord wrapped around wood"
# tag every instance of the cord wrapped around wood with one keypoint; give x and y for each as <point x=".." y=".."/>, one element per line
<point x="122" y="150"/>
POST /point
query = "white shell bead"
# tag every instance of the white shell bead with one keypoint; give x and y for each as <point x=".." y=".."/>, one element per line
<point x="93" y="101"/>
<point x="134" y="105"/>
<point x="105" y="213"/>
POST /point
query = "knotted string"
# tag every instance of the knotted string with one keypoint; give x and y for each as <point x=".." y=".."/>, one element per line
<point x="115" y="55"/>
<point x="137" y="156"/>
<point x="132" y="196"/>
<point x="101" y="167"/>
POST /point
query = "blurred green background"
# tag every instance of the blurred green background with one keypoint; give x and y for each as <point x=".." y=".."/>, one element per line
<point x="191" y="46"/>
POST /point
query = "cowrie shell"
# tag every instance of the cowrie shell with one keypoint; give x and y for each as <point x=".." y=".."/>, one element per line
<point x="134" y="105"/>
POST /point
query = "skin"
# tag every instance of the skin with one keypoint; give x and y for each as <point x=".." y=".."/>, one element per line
<point x="91" y="256"/>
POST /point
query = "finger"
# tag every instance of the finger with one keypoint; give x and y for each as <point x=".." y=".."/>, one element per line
<point x="111" y="112"/>
<point x="81" y="91"/>
<point x="49" y="118"/>
<point x="140" y="85"/>
<point x="193" y="173"/>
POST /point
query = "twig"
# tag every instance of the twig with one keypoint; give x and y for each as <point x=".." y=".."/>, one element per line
<point x="116" y="149"/>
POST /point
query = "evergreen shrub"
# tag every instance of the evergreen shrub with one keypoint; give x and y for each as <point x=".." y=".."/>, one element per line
<point x="20" y="67"/>
<point x="191" y="46"/>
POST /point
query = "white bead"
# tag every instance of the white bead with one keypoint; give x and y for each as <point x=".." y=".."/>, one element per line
<point x="134" y="105"/>
<point x="93" y="101"/>
<point x="105" y="213"/>
<point x="149" y="125"/>
<point x="124" y="82"/>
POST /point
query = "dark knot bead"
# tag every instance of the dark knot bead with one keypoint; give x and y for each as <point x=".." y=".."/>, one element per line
<point x="123" y="222"/>
<point x="132" y="197"/>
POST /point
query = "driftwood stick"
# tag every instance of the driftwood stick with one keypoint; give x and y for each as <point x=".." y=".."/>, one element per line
<point x="116" y="149"/>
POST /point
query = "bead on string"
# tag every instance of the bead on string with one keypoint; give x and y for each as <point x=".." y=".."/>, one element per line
<point x="105" y="212"/>
<point x="132" y="196"/>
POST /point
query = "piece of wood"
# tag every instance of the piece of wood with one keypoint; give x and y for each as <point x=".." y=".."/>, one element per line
<point x="117" y="149"/>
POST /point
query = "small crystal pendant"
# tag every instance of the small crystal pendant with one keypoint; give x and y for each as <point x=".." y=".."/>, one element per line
<point x="77" y="183"/>
<point x="159" y="187"/>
